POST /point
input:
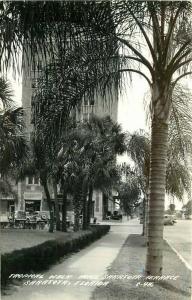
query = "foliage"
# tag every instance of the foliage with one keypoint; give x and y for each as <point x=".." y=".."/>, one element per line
<point x="90" y="149"/>
<point x="129" y="193"/>
<point x="138" y="148"/>
<point x="178" y="175"/>
<point x="5" y="94"/>
<point x="13" y="145"/>
<point x="187" y="208"/>
<point x="41" y="28"/>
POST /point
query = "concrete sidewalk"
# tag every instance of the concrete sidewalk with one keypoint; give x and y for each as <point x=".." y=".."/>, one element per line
<point x="93" y="261"/>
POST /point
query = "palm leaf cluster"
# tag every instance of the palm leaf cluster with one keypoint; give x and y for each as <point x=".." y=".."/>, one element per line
<point x="178" y="176"/>
<point x="180" y="145"/>
<point x="89" y="150"/>
<point x="41" y="28"/>
<point x="13" y="146"/>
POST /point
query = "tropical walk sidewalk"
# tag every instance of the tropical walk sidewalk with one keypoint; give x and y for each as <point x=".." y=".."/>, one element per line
<point x="121" y="252"/>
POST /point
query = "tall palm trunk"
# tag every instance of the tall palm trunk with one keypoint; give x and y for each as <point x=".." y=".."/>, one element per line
<point x="77" y="209"/>
<point x="144" y="216"/>
<point x="90" y="196"/>
<point x="105" y="206"/>
<point x="146" y="212"/>
<point x="58" y="223"/>
<point x="64" y="208"/>
<point x="158" y="165"/>
<point x="51" y="224"/>
<point x="85" y="206"/>
<point x="146" y="219"/>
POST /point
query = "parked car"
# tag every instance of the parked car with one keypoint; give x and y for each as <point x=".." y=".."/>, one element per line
<point x="42" y="216"/>
<point x="4" y="221"/>
<point x="169" y="220"/>
<point x="188" y="217"/>
<point x="19" y="218"/>
<point x="116" y="216"/>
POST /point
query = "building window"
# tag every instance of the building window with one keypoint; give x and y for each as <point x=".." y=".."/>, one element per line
<point x="36" y="180"/>
<point x="33" y="180"/>
<point x="30" y="180"/>
<point x="32" y="205"/>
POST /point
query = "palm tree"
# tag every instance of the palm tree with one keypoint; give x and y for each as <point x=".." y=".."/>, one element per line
<point x="13" y="145"/>
<point x="178" y="175"/>
<point x="166" y="31"/>
<point x="39" y="164"/>
<point x="87" y="162"/>
<point x="6" y="94"/>
<point x="108" y="140"/>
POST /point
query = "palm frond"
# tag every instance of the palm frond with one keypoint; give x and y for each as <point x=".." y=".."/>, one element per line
<point x="6" y="94"/>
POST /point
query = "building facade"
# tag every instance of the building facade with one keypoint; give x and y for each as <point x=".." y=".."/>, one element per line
<point x="31" y="191"/>
<point x="29" y="194"/>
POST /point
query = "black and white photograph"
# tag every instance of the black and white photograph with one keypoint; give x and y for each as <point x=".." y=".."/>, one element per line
<point x="96" y="149"/>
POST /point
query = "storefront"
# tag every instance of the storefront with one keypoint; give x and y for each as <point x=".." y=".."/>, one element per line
<point x="7" y="205"/>
<point x="31" y="206"/>
<point x="33" y="201"/>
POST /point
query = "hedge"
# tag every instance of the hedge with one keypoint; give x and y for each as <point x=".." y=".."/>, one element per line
<point x="40" y="257"/>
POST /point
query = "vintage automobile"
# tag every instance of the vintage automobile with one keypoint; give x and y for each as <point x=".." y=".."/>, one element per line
<point x="4" y="221"/>
<point x="42" y="215"/>
<point x="169" y="220"/>
<point x="42" y="218"/>
<point x="19" y="218"/>
<point x="116" y="215"/>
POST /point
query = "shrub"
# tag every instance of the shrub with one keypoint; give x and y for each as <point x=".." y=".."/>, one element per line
<point x="40" y="257"/>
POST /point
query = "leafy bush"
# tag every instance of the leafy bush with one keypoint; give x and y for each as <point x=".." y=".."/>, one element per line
<point x="40" y="257"/>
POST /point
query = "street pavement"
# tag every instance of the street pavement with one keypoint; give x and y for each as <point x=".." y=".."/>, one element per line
<point x="94" y="260"/>
<point x="179" y="237"/>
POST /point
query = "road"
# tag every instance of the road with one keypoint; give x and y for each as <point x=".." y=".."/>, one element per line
<point x="179" y="237"/>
